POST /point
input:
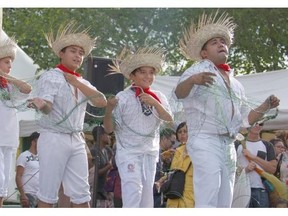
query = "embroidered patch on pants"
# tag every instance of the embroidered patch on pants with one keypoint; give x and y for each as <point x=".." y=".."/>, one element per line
<point x="131" y="167"/>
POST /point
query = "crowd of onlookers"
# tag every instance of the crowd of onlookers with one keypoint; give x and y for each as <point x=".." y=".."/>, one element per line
<point x="173" y="155"/>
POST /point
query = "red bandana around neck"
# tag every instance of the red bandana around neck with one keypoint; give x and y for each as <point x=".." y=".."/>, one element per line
<point x="66" y="70"/>
<point x="146" y="90"/>
<point x="3" y="82"/>
<point x="225" y="67"/>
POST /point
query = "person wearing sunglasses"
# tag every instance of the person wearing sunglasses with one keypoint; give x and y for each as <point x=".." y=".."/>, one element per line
<point x="258" y="153"/>
<point x="182" y="161"/>
<point x="167" y="141"/>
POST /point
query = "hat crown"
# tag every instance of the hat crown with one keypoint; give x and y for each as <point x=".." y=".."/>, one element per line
<point x="8" y="48"/>
<point x="208" y="27"/>
<point x="68" y="35"/>
<point x="127" y="61"/>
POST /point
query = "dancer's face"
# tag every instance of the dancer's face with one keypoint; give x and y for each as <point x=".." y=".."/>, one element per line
<point x="143" y="76"/>
<point x="6" y="64"/>
<point x="216" y="50"/>
<point x="72" y="57"/>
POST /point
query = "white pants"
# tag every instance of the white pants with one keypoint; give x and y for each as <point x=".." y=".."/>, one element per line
<point x="6" y="153"/>
<point x="62" y="159"/>
<point x="137" y="180"/>
<point x="214" y="167"/>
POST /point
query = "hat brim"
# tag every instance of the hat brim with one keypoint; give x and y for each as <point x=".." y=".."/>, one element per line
<point x="141" y="60"/>
<point x="77" y="39"/>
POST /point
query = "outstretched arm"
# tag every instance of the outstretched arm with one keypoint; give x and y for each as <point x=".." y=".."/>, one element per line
<point x="255" y="114"/>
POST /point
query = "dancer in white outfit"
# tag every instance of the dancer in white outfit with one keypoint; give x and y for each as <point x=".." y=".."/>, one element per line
<point x="137" y="114"/>
<point x="215" y="106"/>
<point x="62" y="97"/>
<point x="13" y="92"/>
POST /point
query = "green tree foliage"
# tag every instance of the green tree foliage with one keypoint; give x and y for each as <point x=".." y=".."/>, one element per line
<point x="260" y="39"/>
<point x="261" y="42"/>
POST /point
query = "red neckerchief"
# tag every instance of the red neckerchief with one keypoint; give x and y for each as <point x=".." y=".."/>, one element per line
<point x="225" y="67"/>
<point x="3" y="82"/>
<point x="66" y="70"/>
<point x="146" y="90"/>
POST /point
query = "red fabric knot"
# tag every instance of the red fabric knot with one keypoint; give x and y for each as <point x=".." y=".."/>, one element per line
<point x="3" y="82"/>
<point x="66" y="70"/>
<point x="138" y="91"/>
<point x="225" y="67"/>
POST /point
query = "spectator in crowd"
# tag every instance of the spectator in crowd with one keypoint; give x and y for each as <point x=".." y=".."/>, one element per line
<point x="27" y="173"/>
<point x="113" y="182"/>
<point x="167" y="140"/>
<point x="103" y="152"/>
<point x="258" y="153"/>
<point x="118" y="203"/>
<point x="282" y="168"/>
<point x="181" y="160"/>
<point x="279" y="147"/>
<point x="283" y="163"/>
<point x="283" y="135"/>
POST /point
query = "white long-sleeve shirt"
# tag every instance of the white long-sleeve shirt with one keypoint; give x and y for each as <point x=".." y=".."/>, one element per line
<point x="68" y="111"/>
<point x="136" y="134"/>
<point x="9" y="132"/>
<point x="209" y="110"/>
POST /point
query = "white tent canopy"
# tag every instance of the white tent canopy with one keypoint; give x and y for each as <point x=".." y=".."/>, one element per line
<point x="257" y="86"/>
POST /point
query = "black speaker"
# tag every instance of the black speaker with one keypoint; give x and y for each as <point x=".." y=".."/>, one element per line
<point x="97" y="72"/>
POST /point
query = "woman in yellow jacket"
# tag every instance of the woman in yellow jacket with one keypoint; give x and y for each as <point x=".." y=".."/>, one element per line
<point x="181" y="160"/>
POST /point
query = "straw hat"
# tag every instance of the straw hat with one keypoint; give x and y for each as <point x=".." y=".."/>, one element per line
<point x="126" y="62"/>
<point x="208" y="27"/>
<point x="8" y="48"/>
<point x="67" y="36"/>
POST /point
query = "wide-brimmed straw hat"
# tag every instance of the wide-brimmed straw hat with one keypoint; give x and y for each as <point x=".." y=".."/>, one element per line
<point x="208" y="27"/>
<point x="8" y="48"/>
<point x="70" y="35"/>
<point x="126" y="62"/>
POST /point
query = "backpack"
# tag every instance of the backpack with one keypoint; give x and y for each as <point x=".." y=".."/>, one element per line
<point x="173" y="187"/>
